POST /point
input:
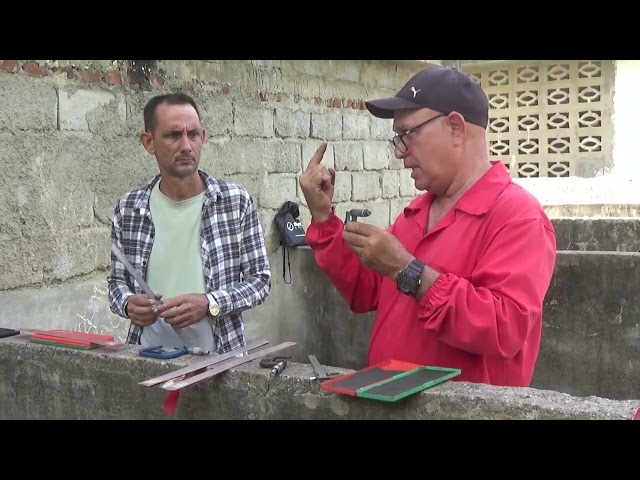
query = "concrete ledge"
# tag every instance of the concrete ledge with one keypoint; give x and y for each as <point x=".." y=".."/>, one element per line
<point x="594" y="210"/>
<point x="44" y="382"/>
<point x="612" y="234"/>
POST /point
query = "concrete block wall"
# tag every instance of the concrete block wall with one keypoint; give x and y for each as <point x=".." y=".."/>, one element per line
<point x="69" y="146"/>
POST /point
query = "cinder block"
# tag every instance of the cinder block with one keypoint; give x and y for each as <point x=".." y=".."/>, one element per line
<point x="283" y="157"/>
<point x="110" y="119"/>
<point x="292" y="123"/>
<point x="277" y="189"/>
<point x="377" y="155"/>
<point x="366" y="186"/>
<point x="53" y="190"/>
<point x="76" y="106"/>
<point x="20" y="264"/>
<point x="347" y="70"/>
<point x="342" y="187"/>
<point x="217" y="115"/>
<point x="395" y="163"/>
<point x="355" y="126"/>
<point x="309" y="67"/>
<point x="78" y="253"/>
<point x="239" y="155"/>
<point x="381" y="128"/>
<point x="253" y="122"/>
<point x="390" y="184"/>
<point x="243" y="155"/>
<point x="27" y="104"/>
<point x="327" y="125"/>
<point x="348" y="156"/>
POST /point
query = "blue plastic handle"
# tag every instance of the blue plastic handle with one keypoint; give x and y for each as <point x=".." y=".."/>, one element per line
<point x="156" y="351"/>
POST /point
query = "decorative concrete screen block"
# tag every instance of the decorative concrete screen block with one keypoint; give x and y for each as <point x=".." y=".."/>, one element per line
<point x="549" y="118"/>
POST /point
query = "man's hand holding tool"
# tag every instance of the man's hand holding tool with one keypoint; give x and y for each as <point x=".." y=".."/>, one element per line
<point x="141" y="308"/>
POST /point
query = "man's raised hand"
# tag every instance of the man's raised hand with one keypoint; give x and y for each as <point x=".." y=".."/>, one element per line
<point x="317" y="183"/>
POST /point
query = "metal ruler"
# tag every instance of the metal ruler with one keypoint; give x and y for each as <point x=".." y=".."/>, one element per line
<point x="135" y="274"/>
<point x="202" y="366"/>
<point x="177" y="385"/>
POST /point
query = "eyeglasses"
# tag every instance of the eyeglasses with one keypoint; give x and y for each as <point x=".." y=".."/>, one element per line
<point x="398" y="140"/>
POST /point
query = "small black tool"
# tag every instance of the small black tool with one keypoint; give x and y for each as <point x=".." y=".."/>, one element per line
<point x="353" y="214"/>
<point x="278" y="367"/>
<point x="8" y="332"/>
<point x="276" y="364"/>
<point x="271" y="361"/>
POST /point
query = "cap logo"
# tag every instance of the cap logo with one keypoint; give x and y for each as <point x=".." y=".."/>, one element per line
<point x="415" y="92"/>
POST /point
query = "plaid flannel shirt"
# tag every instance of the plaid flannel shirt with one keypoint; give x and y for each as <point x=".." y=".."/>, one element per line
<point x="234" y="258"/>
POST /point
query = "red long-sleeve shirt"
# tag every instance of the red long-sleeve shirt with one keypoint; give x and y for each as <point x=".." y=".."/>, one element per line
<point x="495" y="251"/>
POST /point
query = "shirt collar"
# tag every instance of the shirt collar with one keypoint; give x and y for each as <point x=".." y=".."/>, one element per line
<point x="479" y="198"/>
<point x="213" y="191"/>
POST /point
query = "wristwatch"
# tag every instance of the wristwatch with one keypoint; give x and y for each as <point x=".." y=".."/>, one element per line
<point x="214" y="308"/>
<point x="409" y="281"/>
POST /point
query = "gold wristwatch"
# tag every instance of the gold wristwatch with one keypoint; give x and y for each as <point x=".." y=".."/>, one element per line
<point x="214" y="308"/>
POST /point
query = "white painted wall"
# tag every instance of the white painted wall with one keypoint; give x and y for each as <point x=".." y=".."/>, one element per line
<point x="626" y="104"/>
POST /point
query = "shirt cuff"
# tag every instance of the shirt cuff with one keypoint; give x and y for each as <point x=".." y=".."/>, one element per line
<point x="326" y="228"/>
<point x="124" y="305"/>
<point x="437" y="295"/>
<point x="224" y="301"/>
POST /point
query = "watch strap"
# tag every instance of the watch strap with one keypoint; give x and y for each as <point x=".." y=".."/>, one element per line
<point x="413" y="271"/>
<point x="415" y="268"/>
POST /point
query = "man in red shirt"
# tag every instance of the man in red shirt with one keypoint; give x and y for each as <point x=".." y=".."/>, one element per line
<point x="459" y="279"/>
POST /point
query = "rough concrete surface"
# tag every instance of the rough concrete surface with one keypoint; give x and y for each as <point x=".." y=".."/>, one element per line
<point x="44" y="382"/>
<point x="591" y="334"/>
<point x="605" y="234"/>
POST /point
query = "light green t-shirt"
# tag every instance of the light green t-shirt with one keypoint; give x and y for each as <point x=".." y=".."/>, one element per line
<point x="175" y="267"/>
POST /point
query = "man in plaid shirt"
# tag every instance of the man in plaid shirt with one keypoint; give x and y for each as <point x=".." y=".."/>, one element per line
<point x="195" y="239"/>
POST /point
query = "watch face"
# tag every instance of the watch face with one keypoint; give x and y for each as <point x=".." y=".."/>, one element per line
<point x="214" y="310"/>
<point x="405" y="283"/>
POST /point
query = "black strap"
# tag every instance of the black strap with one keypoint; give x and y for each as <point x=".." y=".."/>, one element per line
<point x="285" y="252"/>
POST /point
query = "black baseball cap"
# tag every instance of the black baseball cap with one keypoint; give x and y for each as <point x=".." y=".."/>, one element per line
<point x="442" y="89"/>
